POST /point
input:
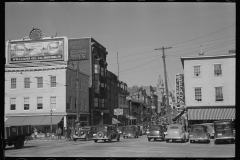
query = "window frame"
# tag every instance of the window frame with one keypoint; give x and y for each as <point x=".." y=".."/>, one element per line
<point x="51" y="104"/>
<point x="195" y="72"/>
<point x="39" y="103"/>
<point x="53" y="82"/>
<point x="13" y="84"/>
<point x="26" y="102"/>
<point x="196" y="95"/>
<point x="217" y="99"/>
<point x="39" y="82"/>
<point x="219" y="69"/>
<point x="27" y="82"/>
<point x="13" y="104"/>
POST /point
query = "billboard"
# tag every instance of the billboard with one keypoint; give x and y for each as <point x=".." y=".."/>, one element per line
<point x="47" y="49"/>
<point x="179" y="87"/>
<point x="78" y="49"/>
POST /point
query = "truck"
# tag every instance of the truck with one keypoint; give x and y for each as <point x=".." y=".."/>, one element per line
<point x="16" y="135"/>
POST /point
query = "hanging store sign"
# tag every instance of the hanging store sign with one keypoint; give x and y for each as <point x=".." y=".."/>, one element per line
<point x="179" y="88"/>
<point x="41" y="50"/>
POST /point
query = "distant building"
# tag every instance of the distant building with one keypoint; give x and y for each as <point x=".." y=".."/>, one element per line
<point x="210" y="83"/>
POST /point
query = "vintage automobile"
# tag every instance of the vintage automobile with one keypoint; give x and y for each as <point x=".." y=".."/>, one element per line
<point x="130" y="131"/>
<point x="224" y="131"/>
<point x="85" y="133"/>
<point x="210" y="129"/>
<point x="156" y="132"/>
<point x="199" y="132"/>
<point x="106" y="132"/>
<point x="176" y="132"/>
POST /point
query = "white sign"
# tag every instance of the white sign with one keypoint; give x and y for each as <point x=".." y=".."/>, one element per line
<point x="118" y="111"/>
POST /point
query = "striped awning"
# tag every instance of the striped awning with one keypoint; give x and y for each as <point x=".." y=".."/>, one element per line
<point x="211" y="113"/>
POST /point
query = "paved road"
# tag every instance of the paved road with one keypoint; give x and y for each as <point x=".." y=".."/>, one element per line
<point x="131" y="147"/>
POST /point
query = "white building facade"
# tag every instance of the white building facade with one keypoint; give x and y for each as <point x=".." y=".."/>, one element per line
<point x="210" y="83"/>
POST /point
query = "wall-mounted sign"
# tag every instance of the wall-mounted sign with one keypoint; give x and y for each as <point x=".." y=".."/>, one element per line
<point x="179" y="88"/>
<point x="41" y="50"/>
<point x="118" y="111"/>
<point x="78" y="49"/>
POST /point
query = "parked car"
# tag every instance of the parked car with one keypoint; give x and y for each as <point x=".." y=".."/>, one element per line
<point x="156" y="132"/>
<point x="199" y="132"/>
<point x="85" y="133"/>
<point x="130" y="131"/>
<point x="106" y="132"/>
<point x="224" y="131"/>
<point x="176" y="132"/>
<point x="210" y="129"/>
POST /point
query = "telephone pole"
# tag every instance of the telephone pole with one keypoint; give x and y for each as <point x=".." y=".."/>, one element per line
<point x="169" y="117"/>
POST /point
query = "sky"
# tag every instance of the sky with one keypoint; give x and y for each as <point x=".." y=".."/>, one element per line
<point x="133" y="31"/>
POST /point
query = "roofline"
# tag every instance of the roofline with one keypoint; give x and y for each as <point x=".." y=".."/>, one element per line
<point x="207" y="57"/>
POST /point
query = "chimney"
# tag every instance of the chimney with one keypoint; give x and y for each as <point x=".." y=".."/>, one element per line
<point x="232" y="51"/>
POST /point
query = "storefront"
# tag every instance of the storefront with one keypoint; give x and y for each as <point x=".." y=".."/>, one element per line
<point x="209" y="114"/>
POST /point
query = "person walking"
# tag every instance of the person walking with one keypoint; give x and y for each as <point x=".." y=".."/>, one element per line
<point x="69" y="134"/>
<point x="65" y="132"/>
<point x="35" y="132"/>
<point x="59" y="131"/>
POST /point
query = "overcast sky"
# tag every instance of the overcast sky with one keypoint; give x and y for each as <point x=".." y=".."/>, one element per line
<point x="134" y="30"/>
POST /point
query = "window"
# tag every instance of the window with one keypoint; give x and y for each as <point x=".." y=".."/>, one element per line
<point x="85" y="103"/>
<point x="26" y="82"/>
<point x="70" y="102"/>
<point x="219" y="94"/>
<point x="75" y="107"/>
<point x="39" y="82"/>
<point x="53" y="102"/>
<point x="217" y="69"/>
<point x="26" y="103"/>
<point x="13" y="83"/>
<point x="13" y="104"/>
<point x="95" y="102"/>
<point x="198" y="94"/>
<point x="80" y="85"/>
<point x="197" y="71"/>
<point x="53" y="81"/>
<point x="39" y="103"/>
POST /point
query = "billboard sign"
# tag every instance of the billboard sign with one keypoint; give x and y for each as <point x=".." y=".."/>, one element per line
<point x="118" y="111"/>
<point x="78" y="49"/>
<point x="48" y="49"/>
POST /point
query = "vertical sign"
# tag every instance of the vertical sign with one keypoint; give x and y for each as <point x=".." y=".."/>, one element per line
<point x="177" y="89"/>
<point x="181" y="89"/>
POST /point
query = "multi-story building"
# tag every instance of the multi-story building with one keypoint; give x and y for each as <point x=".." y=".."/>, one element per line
<point x="40" y="85"/>
<point x="122" y="102"/>
<point x="210" y="83"/>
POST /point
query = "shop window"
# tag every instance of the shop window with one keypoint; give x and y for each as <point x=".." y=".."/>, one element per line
<point x="26" y="103"/>
<point x="13" y="83"/>
<point x="13" y="104"/>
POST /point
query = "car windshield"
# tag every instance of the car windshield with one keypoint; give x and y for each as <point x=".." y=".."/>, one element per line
<point x="197" y="128"/>
<point x="155" y="128"/>
<point x="173" y="127"/>
<point x="223" y="126"/>
<point x="101" y="128"/>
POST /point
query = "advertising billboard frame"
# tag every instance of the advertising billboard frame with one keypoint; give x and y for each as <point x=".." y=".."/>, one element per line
<point x="45" y="49"/>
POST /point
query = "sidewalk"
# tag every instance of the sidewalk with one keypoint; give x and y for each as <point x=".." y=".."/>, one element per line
<point x="30" y="138"/>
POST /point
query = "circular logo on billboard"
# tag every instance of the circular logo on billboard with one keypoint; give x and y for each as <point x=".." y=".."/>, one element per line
<point x="52" y="48"/>
<point x="19" y="49"/>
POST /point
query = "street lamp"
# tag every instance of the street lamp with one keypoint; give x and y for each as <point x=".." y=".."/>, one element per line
<point x="51" y="112"/>
<point x="102" y="116"/>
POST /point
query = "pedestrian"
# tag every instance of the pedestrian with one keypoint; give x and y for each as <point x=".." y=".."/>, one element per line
<point x="69" y="134"/>
<point x="35" y="132"/>
<point x="72" y="132"/>
<point x="65" y="132"/>
<point x="59" y="133"/>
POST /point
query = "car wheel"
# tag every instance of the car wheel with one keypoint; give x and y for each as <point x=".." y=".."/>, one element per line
<point x="167" y="140"/>
<point x="87" y="138"/>
<point x="95" y="140"/>
<point x="18" y="143"/>
<point x="149" y="139"/>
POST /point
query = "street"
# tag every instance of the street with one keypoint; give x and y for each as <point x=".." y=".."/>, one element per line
<point x="131" y="147"/>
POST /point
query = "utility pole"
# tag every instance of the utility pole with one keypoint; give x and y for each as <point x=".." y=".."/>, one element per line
<point x="118" y="65"/>
<point x="169" y="117"/>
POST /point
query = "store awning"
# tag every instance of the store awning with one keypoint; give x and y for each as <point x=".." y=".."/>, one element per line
<point x="211" y="114"/>
<point x="115" y="121"/>
<point x="32" y="120"/>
